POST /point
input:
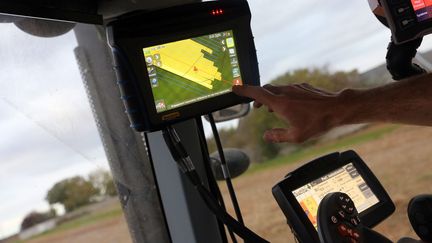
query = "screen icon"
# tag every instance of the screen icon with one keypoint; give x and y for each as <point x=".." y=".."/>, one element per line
<point x="151" y="71"/>
<point x="158" y="63"/>
<point x="154" y="82"/>
<point x="160" y="105"/>
<point x="230" y="42"/>
<point x="149" y="60"/>
<point x="232" y="52"/>
<point x="157" y="57"/>
<point x="236" y="72"/>
<point x="237" y="82"/>
<point x="234" y="61"/>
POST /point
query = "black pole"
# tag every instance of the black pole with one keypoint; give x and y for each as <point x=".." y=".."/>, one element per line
<point x="125" y="148"/>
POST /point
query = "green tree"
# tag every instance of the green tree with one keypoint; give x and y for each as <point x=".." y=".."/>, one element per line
<point x="110" y="188"/>
<point x="322" y="78"/>
<point x="103" y="181"/>
<point x="35" y="218"/>
<point x="72" y="193"/>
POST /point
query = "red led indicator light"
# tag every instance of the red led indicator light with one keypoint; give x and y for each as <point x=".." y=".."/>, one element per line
<point x="217" y="12"/>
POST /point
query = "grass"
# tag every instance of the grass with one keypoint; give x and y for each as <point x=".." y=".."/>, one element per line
<point x="87" y="220"/>
<point x="318" y="150"/>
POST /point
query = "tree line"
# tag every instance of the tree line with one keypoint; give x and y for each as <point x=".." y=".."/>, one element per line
<point x="73" y="193"/>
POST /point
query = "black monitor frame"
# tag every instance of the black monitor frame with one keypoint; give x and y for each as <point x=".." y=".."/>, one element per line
<point x="129" y="34"/>
<point x="298" y="220"/>
<point x="403" y="21"/>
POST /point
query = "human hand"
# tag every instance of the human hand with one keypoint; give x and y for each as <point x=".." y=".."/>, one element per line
<point x="308" y="111"/>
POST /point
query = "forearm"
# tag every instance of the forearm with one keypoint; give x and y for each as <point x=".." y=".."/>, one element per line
<point x="408" y="102"/>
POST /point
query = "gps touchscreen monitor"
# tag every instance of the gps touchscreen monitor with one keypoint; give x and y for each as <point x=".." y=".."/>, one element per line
<point x="188" y="71"/>
<point x="181" y="62"/>
<point x="301" y="191"/>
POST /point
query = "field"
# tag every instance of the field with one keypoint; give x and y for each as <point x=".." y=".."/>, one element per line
<point x="400" y="156"/>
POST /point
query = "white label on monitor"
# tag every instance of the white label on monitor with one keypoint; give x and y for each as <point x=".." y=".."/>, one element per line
<point x="347" y="180"/>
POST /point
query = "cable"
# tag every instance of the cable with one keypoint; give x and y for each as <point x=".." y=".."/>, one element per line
<point x="187" y="167"/>
<point x="212" y="180"/>
<point x="225" y="170"/>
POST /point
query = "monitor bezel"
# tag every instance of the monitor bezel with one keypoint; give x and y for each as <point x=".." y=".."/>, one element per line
<point x="133" y="47"/>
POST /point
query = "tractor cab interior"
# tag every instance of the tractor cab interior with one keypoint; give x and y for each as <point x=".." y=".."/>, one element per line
<point x="153" y="69"/>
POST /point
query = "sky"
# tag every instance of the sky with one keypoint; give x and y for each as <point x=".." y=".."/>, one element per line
<point x="47" y="128"/>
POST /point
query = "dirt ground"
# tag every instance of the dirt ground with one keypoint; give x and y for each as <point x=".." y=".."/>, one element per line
<point x="401" y="160"/>
<point x="107" y="231"/>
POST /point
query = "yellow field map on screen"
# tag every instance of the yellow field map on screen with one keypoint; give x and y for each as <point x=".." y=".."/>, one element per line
<point x="191" y="70"/>
<point x="186" y="58"/>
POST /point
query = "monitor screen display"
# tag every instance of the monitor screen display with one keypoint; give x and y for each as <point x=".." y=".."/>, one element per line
<point x="187" y="71"/>
<point x="423" y="9"/>
<point x="345" y="179"/>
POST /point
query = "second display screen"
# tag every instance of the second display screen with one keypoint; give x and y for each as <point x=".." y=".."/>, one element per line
<point x="346" y="179"/>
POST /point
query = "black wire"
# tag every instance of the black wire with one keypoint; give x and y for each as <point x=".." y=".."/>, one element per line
<point x="214" y="187"/>
<point x="228" y="178"/>
<point x="240" y="229"/>
<point x="181" y="157"/>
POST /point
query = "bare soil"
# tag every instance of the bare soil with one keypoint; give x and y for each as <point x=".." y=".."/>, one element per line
<point x="107" y="231"/>
<point x="402" y="160"/>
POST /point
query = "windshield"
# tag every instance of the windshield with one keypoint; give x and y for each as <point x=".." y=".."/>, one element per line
<point x="48" y="130"/>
